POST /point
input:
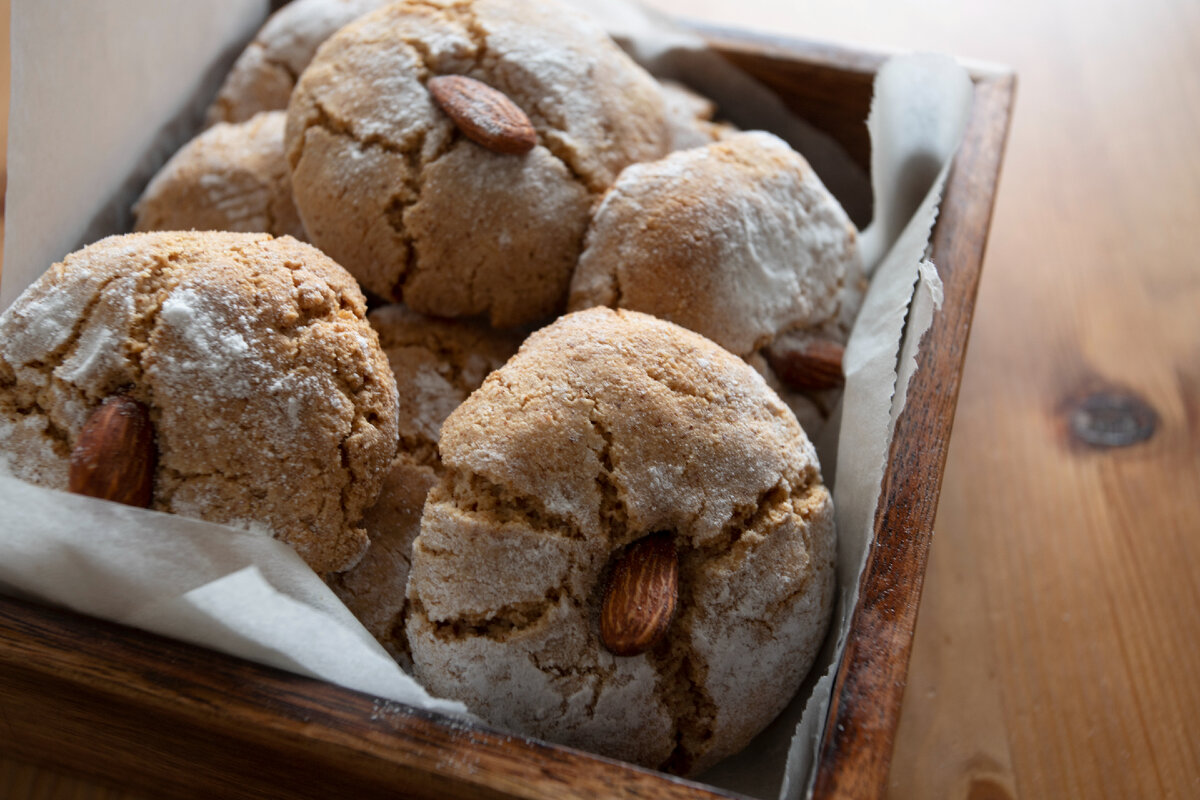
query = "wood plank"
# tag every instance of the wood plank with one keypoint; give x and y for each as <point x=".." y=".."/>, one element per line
<point x="857" y="746"/>
<point x="182" y="721"/>
<point x="1055" y="651"/>
<point x="19" y="780"/>
<point x="1087" y="584"/>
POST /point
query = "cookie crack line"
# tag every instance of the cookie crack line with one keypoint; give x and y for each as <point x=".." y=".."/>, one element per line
<point x="49" y="364"/>
<point x="691" y="707"/>
<point x="148" y="323"/>
<point x="618" y="291"/>
<point x="279" y="63"/>
<point x="185" y="475"/>
<point x="613" y="519"/>
<point x="402" y="202"/>
<point x="787" y="492"/>
<point x="467" y="486"/>
<point x="55" y="358"/>
<point x="164" y="491"/>
<point x="681" y="691"/>
<point x="53" y="430"/>
<point x="672" y="387"/>
<point x="368" y="381"/>
<point x="497" y="626"/>
<point x="470" y="22"/>
<point x="340" y="127"/>
<point x="347" y="470"/>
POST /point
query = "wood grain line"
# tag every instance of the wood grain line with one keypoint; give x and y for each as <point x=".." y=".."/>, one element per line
<point x="171" y="718"/>
<point x="859" y="734"/>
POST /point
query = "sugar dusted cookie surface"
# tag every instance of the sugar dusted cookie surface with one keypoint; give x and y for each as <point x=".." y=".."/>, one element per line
<point x="229" y="178"/>
<point x="605" y="428"/>
<point x="437" y="364"/>
<point x="387" y="184"/>
<point x="272" y="404"/>
<point x="738" y="240"/>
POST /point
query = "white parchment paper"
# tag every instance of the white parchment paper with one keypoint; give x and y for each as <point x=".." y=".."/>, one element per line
<point x="140" y="72"/>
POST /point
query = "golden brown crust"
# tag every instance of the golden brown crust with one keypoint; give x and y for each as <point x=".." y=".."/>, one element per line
<point x="738" y="241"/>
<point x="608" y="426"/>
<point x="229" y="178"/>
<point x="273" y="405"/>
<point x="387" y="185"/>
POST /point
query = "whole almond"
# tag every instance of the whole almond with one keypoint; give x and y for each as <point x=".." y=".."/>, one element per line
<point x="808" y="364"/>
<point x="115" y="455"/>
<point x="643" y="590"/>
<point x="485" y="115"/>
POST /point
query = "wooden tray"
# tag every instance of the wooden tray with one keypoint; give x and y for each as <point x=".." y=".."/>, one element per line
<point x="171" y="719"/>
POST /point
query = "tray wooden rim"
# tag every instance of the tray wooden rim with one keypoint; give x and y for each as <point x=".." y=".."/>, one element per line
<point x="88" y="675"/>
<point x="859" y="734"/>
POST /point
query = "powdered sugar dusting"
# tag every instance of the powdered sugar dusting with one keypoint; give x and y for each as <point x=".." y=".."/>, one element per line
<point x="293" y="34"/>
<point x="26" y="451"/>
<point x="41" y="325"/>
<point x="746" y="242"/>
<point x="98" y="353"/>
<point x="213" y="343"/>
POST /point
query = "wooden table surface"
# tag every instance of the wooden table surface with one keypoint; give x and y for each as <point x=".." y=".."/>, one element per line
<point x="1057" y="651"/>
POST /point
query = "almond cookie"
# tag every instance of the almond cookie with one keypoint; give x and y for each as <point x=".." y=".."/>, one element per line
<point x="265" y="73"/>
<point x="609" y="429"/>
<point x="738" y="241"/>
<point x="437" y="363"/>
<point x="388" y="185"/>
<point x="229" y="178"/>
<point x="271" y="403"/>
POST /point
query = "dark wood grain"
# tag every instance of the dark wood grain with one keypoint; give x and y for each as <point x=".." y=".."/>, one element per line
<point x="175" y="720"/>
<point x="828" y="85"/>
<point x="860" y="732"/>
<point x="170" y="718"/>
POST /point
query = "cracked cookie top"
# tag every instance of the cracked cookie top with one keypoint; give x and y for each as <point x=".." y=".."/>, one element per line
<point x="437" y="363"/>
<point x="388" y="186"/>
<point x="272" y="403"/>
<point x="739" y="241"/>
<point x="229" y="178"/>
<point x="265" y="73"/>
<point x="606" y="427"/>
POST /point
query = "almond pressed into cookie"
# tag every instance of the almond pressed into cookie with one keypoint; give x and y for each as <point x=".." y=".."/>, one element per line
<point x="609" y="427"/>
<point x="388" y="185"/>
<point x="272" y="405"/>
